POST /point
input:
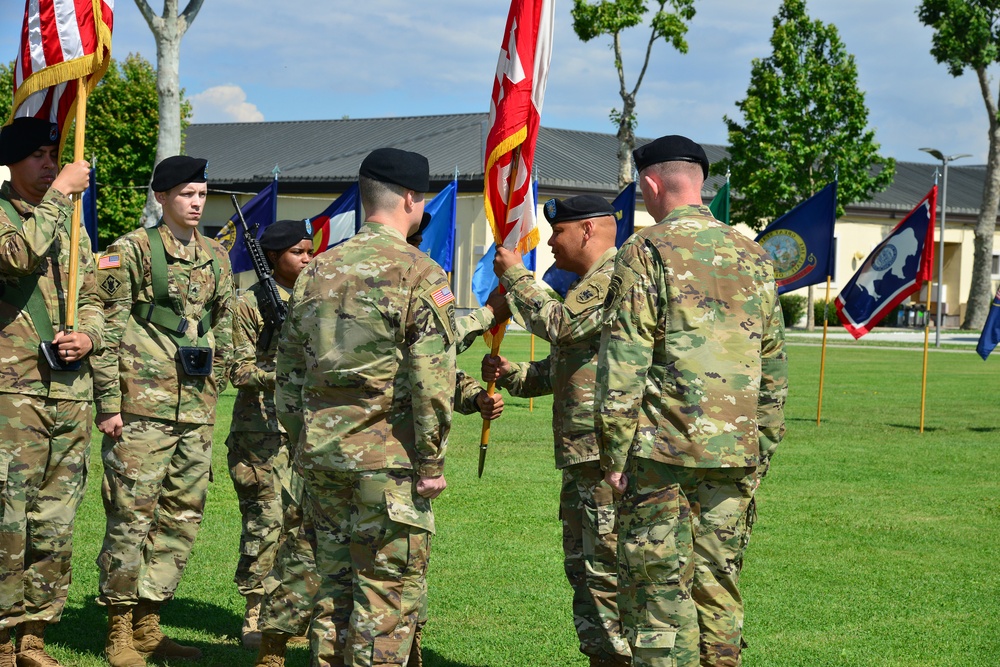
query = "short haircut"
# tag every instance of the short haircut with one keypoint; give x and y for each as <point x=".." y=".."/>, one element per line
<point x="678" y="168"/>
<point x="378" y="195"/>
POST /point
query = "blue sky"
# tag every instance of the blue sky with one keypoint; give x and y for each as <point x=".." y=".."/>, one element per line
<point x="254" y="60"/>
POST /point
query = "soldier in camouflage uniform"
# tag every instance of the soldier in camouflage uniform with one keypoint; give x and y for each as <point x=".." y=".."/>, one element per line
<point x="691" y="383"/>
<point x="255" y="437"/>
<point x="582" y="241"/>
<point x="44" y="413"/>
<point x="365" y="382"/>
<point x="168" y="301"/>
<point x="292" y="584"/>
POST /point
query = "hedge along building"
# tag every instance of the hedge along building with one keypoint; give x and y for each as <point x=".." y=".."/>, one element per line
<point x="318" y="160"/>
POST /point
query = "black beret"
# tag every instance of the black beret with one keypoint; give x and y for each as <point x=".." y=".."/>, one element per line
<point x="417" y="237"/>
<point x="283" y="234"/>
<point x="25" y="136"/>
<point x="399" y="167"/>
<point x="580" y="207"/>
<point x="672" y="148"/>
<point x="178" y="169"/>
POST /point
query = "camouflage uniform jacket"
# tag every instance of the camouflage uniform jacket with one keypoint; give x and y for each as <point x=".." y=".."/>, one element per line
<point x="692" y="368"/>
<point x="467" y="330"/>
<point x="253" y="366"/>
<point x="573" y="328"/>
<point x="42" y="248"/>
<point x="139" y="372"/>
<point x="366" y="358"/>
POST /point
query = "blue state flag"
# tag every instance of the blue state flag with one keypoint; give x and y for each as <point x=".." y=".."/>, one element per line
<point x="561" y="280"/>
<point x="800" y="242"/>
<point x="894" y="270"/>
<point x="259" y="213"/>
<point x="340" y="221"/>
<point x="90" y="210"/>
<point x="439" y="236"/>
<point x="991" y="330"/>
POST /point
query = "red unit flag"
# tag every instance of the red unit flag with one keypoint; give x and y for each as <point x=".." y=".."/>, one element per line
<point x="515" y="115"/>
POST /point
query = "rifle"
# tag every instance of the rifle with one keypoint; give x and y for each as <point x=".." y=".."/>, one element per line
<point x="272" y="308"/>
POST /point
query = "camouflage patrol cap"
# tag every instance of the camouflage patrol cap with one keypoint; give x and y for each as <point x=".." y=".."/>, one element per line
<point x="579" y="207"/>
<point x="671" y="148"/>
<point x="24" y="136"/>
<point x="392" y="165"/>
<point x="284" y="234"/>
<point x="178" y="169"/>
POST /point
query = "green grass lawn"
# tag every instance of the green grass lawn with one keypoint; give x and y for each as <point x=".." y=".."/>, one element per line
<point x="875" y="545"/>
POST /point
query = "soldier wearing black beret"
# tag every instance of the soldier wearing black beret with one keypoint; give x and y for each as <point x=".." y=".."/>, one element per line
<point x="46" y="429"/>
<point x="692" y="384"/>
<point x="258" y="447"/>
<point x="168" y="303"/>
<point x="582" y="241"/>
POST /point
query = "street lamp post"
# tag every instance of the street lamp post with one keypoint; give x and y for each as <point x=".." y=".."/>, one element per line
<point x="945" y="159"/>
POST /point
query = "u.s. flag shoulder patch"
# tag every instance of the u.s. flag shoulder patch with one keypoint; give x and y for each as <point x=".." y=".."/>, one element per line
<point x="109" y="261"/>
<point x="443" y="297"/>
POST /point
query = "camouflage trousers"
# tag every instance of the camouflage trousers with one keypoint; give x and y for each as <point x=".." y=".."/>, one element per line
<point x="683" y="533"/>
<point x="372" y="549"/>
<point x="590" y="558"/>
<point x="251" y="460"/>
<point x="155" y="481"/>
<point x="291" y="585"/>
<point x="44" y="449"/>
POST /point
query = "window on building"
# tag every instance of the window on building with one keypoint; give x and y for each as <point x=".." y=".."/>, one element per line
<point x="995" y="266"/>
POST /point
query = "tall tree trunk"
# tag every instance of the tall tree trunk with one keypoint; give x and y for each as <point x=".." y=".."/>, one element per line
<point x="168" y="30"/>
<point x="981" y="290"/>
<point x="626" y="142"/>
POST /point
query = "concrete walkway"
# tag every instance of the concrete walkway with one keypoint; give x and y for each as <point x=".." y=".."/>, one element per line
<point x="916" y="336"/>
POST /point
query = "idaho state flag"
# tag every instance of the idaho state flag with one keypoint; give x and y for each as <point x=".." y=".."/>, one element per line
<point x="991" y="330"/>
<point x="800" y="242"/>
<point x="259" y="213"/>
<point x="894" y="270"/>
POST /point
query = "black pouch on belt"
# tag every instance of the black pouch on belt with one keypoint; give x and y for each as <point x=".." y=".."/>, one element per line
<point x="196" y="361"/>
<point x="51" y="355"/>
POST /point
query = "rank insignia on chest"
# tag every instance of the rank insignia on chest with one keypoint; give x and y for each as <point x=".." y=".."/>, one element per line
<point x="443" y="297"/>
<point x="109" y="261"/>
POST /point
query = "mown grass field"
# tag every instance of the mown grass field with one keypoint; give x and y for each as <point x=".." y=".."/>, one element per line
<point x="876" y="545"/>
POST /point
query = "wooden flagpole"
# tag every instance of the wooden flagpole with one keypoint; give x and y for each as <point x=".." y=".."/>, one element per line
<point x="74" y="237"/>
<point x="822" y="358"/>
<point x="484" y="439"/>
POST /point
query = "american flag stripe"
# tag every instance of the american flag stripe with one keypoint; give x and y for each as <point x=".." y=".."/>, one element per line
<point x="442" y="297"/>
<point x="62" y="41"/>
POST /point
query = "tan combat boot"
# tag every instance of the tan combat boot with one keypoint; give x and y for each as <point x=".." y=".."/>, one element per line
<point x="118" y="647"/>
<point x="251" y="631"/>
<point x="31" y="646"/>
<point x="272" y="649"/>
<point x="148" y="639"/>
<point x="7" y="658"/>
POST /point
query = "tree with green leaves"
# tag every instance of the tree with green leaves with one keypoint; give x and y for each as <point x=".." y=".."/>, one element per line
<point x="967" y="35"/>
<point x="804" y="120"/>
<point x="612" y="17"/>
<point x="122" y="132"/>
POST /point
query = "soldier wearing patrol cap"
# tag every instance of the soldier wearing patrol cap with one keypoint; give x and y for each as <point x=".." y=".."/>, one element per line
<point x="365" y="381"/>
<point x="258" y="448"/>
<point x="168" y="300"/>
<point x="45" y="410"/>
<point x="691" y="383"/>
<point x="582" y="241"/>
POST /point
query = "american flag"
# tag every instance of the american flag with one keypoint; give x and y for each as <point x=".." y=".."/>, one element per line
<point x="442" y="297"/>
<point x="62" y="41"/>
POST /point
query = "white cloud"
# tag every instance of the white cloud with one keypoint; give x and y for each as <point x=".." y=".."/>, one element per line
<point x="224" y="104"/>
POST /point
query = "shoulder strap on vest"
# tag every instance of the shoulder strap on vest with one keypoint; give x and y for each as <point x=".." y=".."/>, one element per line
<point x="25" y="295"/>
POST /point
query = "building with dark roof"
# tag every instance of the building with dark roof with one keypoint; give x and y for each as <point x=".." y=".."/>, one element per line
<point x="319" y="159"/>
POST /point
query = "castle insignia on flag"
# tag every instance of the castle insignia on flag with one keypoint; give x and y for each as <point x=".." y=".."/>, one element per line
<point x="109" y="262"/>
<point x="443" y="297"/>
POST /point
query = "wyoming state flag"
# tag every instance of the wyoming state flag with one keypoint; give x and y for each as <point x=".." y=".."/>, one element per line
<point x="894" y="270"/>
